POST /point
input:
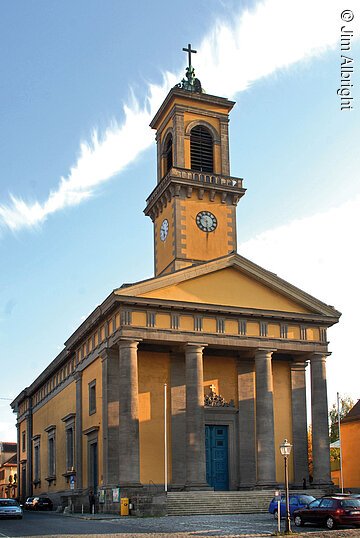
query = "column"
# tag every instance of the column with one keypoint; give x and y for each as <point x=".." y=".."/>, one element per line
<point x="78" y="431"/>
<point x="178" y="140"/>
<point x="129" y="449"/>
<point x="110" y="416"/>
<point x="247" y="444"/>
<point x="224" y="141"/>
<point x="195" y="423"/>
<point x="319" y="418"/>
<point x="266" y="469"/>
<point x="178" y="419"/>
<point x="299" y="422"/>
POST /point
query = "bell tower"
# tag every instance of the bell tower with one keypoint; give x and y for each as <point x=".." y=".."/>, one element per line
<point x="193" y="206"/>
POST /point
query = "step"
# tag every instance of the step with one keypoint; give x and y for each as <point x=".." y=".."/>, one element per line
<point x="224" y="502"/>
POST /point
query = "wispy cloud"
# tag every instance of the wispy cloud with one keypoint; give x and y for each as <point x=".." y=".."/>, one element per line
<point x="273" y="35"/>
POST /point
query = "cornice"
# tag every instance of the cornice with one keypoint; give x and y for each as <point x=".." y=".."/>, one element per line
<point x="181" y="182"/>
<point x="192" y="97"/>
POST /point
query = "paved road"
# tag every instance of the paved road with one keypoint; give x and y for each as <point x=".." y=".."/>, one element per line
<point x="54" y="525"/>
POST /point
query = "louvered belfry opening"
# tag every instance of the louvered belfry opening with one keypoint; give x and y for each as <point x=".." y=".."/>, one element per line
<point x="201" y="149"/>
<point x="168" y="154"/>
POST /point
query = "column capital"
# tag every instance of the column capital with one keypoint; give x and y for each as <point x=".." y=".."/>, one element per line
<point x="107" y="353"/>
<point x="263" y="353"/>
<point x="319" y="356"/>
<point x="192" y="346"/>
<point x="298" y="365"/>
<point x="77" y="375"/>
<point x="127" y="343"/>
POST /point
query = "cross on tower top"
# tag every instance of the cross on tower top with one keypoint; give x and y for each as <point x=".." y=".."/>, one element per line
<point x="189" y="50"/>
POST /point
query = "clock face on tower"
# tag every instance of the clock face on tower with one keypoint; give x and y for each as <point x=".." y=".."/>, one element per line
<point x="164" y="229"/>
<point x="206" y="221"/>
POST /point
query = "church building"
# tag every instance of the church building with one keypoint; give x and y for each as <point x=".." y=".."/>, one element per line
<point x="192" y="379"/>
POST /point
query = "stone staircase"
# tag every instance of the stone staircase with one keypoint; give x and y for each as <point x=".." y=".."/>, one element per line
<point x="223" y="502"/>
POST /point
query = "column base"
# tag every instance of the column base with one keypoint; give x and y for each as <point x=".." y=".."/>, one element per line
<point x="267" y="485"/>
<point x="204" y="486"/>
<point x="246" y="486"/>
<point x="319" y="484"/>
<point x="130" y="485"/>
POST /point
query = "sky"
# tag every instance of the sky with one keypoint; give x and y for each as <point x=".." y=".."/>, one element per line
<point x="80" y="82"/>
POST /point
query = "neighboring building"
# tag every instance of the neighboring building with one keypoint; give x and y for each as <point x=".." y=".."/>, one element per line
<point x="230" y="339"/>
<point x="8" y="470"/>
<point x="350" y="449"/>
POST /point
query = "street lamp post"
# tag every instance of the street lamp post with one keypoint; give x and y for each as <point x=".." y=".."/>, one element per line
<point x="285" y="449"/>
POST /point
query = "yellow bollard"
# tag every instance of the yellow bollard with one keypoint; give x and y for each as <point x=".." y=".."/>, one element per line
<point x="124" y="506"/>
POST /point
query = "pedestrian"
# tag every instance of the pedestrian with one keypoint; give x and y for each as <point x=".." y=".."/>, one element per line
<point x="304" y="483"/>
<point x="91" y="502"/>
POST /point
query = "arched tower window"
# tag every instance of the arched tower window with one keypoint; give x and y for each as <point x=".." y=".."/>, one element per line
<point x="201" y="149"/>
<point x="168" y="153"/>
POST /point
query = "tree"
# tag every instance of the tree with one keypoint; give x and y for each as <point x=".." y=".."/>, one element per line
<point x="346" y="403"/>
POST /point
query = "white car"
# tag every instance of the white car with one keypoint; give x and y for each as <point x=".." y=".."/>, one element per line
<point x="10" y="508"/>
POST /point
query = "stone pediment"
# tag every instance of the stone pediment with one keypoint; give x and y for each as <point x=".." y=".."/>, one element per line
<point x="230" y="281"/>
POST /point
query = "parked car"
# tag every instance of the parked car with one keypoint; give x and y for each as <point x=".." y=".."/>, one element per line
<point x="295" y="502"/>
<point x="330" y="511"/>
<point x="10" y="508"/>
<point x="38" y="503"/>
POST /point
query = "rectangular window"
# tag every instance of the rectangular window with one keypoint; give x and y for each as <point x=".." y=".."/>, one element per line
<point x="52" y="454"/>
<point x="92" y="397"/>
<point x="23" y="441"/>
<point x="37" y="462"/>
<point x="69" y="448"/>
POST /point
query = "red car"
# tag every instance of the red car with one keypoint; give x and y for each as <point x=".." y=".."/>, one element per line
<point x="330" y="511"/>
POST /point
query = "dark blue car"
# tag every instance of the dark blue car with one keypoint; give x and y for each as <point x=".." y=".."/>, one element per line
<point x="295" y="502"/>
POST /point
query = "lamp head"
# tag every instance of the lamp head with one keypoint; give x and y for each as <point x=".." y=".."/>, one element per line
<point x="285" y="448"/>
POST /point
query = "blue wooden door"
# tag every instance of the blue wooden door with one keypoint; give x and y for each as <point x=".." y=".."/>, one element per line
<point x="216" y="447"/>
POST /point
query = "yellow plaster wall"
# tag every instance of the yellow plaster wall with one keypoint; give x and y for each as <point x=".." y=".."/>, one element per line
<point x="312" y="333"/>
<point x="228" y="287"/>
<point x="138" y="319"/>
<point x="282" y="415"/>
<point x="162" y="321"/>
<point x="186" y="323"/>
<point x="50" y="414"/>
<point x="294" y="332"/>
<point x="202" y="245"/>
<point x="164" y="249"/>
<point x="350" y="444"/>
<point x="209" y="325"/>
<point x="274" y="330"/>
<point x="252" y="328"/>
<point x="231" y="326"/>
<point x="153" y="373"/>
<point x="221" y="372"/>
<point x="93" y="371"/>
